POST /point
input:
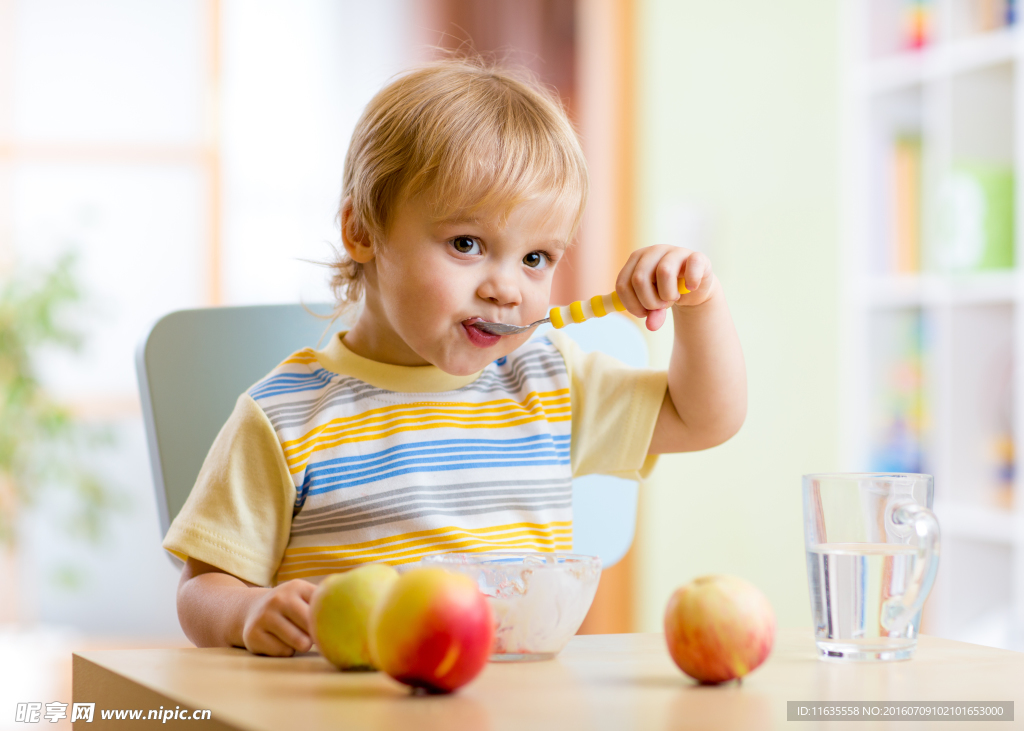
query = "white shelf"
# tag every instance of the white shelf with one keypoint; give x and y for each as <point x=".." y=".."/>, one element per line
<point x="930" y="290"/>
<point x="966" y="99"/>
<point x="976" y="522"/>
<point x="913" y="68"/>
<point x="992" y="629"/>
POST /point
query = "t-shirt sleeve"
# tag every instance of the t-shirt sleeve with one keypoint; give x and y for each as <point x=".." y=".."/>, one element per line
<point x="238" y="515"/>
<point x="614" y="411"/>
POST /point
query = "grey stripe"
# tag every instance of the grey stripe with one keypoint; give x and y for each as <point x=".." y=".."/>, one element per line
<point x="454" y="499"/>
<point x="516" y="366"/>
<point x="355" y="502"/>
<point x="412" y="505"/>
<point x="297" y="414"/>
<point x="351" y="390"/>
<point x="513" y="382"/>
<point x="438" y="511"/>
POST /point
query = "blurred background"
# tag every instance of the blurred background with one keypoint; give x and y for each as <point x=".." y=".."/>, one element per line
<point x="848" y="165"/>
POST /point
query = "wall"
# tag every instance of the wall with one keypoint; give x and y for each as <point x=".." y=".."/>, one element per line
<point x="201" y="165"/>
<point x="738" y="139"/>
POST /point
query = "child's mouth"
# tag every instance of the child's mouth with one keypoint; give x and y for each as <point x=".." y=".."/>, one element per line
<point x="477" y="336"/>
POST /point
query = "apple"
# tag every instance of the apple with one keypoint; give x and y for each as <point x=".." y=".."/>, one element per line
<point x="340" y="610"/>
<point x="719" y="628"/>
<point x="433" y="631"/>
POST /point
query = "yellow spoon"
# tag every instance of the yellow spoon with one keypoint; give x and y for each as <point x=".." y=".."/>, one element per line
<point x="597" y="306"/>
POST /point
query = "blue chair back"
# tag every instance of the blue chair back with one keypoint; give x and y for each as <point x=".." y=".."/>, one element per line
<point x="193" y="364"/>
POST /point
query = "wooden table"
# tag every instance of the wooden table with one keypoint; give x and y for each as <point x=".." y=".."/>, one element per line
<point x="597" y="682"/>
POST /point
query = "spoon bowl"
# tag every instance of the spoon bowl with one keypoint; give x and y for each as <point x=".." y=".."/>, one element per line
<point x="500" y="328"/>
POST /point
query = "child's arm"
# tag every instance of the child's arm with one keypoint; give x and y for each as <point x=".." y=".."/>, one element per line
<point x="706" y="401"/>
<point x="217" y="609"/>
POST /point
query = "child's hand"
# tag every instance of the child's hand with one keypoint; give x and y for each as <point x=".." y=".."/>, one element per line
<point x="278" y="623"/>
<point x="648" y="283"/>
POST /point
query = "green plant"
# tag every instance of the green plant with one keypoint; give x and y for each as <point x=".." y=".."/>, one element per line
<point x="41" y="445"/>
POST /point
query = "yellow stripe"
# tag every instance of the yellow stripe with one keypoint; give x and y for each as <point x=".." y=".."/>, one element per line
<point x="422" y="407"/>
<point x="390" y="415"/>
<point x="428" y="541"/>
<point x="307" y="573"/>
<point x="558" y="524"/>
<point x="300" y="462"/>
<point x="617" y="302"/>
<point x="396" y="424"/>
<point x="393" y="415"/>
<point x="576" y="310"/>
<point x="427" y="550"/>
<point x="295" y="559"/>
<point x="552" y="406"/>
<point x="556" y="318"/>
<point x="303" y="356"/>
<point x="331" y="566"/>
<point x="430" y="545"/>
<point x="597" y="304"/>
<point x="463" y="546"/>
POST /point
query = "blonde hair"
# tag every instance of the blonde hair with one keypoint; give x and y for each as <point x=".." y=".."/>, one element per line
<point x="467" y="135"/>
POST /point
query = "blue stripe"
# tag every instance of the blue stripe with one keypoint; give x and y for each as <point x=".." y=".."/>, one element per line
<point x="439" y="455"/>
<point x="356" y="468"/>
<point x="291" y="383"/>
<point x="339" y="477"/>
<point x="428" y="468"/>
<point x="289" y="378"/>
<point x="445" y="446"/>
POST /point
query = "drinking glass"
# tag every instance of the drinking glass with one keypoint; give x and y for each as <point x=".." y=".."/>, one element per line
<point x="872" y="553"/>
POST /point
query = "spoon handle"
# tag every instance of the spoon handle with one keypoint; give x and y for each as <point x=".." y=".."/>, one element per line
<point x="597" y="306"/>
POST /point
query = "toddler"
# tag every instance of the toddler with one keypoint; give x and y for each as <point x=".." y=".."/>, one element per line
<point x="416" y="432"/>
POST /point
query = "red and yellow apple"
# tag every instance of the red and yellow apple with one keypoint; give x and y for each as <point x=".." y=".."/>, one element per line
<point x="433" y="630"/>
<point x="719" y="628"/>
<point x="340" y="610"/>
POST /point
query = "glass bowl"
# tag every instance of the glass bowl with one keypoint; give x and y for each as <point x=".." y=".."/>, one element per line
<point x="539" y="600"/>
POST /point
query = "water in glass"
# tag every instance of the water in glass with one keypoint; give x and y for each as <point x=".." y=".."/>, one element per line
<point x="852" y="586"/>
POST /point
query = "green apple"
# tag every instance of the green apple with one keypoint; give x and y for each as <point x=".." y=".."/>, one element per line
<point x="341" y="609"/>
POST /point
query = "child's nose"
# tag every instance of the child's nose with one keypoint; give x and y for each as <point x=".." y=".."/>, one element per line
<point x="500" y="288"/>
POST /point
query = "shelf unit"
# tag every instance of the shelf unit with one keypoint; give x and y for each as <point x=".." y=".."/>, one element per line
<point x="940" y="342"/>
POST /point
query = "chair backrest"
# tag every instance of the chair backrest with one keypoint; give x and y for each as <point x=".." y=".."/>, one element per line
<point x="193" y="364"/>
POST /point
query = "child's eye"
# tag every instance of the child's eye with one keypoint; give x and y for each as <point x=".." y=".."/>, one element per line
<point x="536" y="260"/>
<point x="466" y="245"/>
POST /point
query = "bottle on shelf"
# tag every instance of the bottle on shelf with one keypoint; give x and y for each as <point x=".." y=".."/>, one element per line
<point x="974" y="17"/>
<point x="900" y="408"/>
<point x="975" y="229"/>
<point x="906" y="205"/>
<point x="917" y="23"/>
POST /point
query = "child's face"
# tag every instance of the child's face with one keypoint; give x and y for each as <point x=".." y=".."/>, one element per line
<point x="430" y="280"/>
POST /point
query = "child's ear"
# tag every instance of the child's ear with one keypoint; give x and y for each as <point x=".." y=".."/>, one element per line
<point x="354" y="237"/>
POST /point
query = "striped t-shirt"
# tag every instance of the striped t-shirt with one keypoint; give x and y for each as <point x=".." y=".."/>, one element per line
<point x="333" y="460"/>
